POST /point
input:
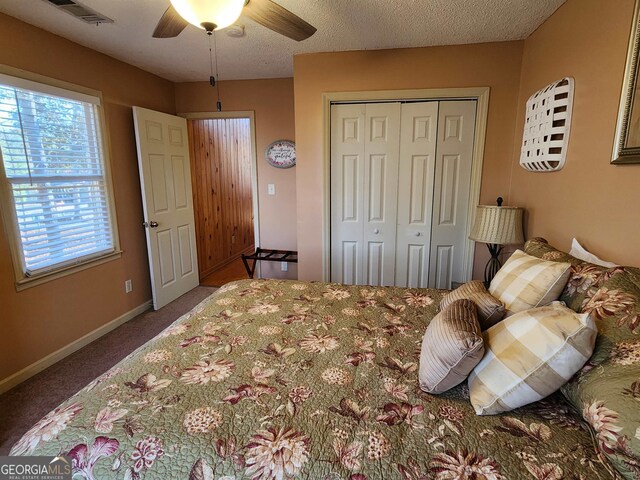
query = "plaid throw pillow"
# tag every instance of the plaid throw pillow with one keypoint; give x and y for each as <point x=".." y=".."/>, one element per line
<point x="529" y="356"/>
<point x="526" y="282"/>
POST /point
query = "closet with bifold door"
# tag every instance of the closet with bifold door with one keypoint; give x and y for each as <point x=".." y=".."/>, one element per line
<point x="400" y="181"/>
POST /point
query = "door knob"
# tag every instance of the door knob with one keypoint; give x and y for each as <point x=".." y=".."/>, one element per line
<point x="376" y="231"/>
<point x="150" y="224"/>
<point x="418" y="234"/>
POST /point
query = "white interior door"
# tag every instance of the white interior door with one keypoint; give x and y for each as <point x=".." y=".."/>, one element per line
<point x="165" y="179"/>
<point x="347" y="187"/>
<point x="382" y="151"/>
<point x="454" y="156"/>
<point x="415" y="194"/>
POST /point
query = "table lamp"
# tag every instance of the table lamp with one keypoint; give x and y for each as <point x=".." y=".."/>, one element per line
<point x="497" y="226"/>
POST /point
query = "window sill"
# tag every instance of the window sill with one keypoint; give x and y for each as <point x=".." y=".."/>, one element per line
<point x="29" y="282"/>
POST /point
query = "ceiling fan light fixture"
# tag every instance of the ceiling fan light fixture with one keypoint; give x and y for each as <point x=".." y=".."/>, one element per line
<point x="221" y="13"/>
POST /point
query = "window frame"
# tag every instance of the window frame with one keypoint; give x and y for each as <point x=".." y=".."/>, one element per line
<point x="7" y="205"/>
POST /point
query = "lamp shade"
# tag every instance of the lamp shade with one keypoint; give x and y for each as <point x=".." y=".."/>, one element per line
<point x="222" y="13"/>
<point x="498" y="225"/>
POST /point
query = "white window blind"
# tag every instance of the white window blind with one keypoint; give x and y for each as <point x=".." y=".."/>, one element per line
<point x="54" y="169"/>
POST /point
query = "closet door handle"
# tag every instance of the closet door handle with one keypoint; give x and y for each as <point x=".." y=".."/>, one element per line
<point x="376" y="231"/>
<point x="418" y="234"/>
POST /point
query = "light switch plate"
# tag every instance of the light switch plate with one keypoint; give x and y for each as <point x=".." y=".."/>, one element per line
<point x="271" y="189"/>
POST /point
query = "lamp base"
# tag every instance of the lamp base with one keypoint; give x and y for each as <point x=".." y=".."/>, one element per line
<point x="493" y="265"/>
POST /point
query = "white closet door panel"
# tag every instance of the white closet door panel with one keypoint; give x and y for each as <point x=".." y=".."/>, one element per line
<point x="418" y="140"/>
<point x="347" y="193"/>
<point x="382" y="148"/>
<point x="400" y="179"/>
<point x="443" y="261"/>
<point x="454" y="155"/>
<point x="350" y="270"/>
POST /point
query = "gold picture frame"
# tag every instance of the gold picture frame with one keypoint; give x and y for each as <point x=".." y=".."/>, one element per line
<point x="626" y="148"/>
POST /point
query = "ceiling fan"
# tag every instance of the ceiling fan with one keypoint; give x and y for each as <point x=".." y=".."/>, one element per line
<point x="217" y="14"/>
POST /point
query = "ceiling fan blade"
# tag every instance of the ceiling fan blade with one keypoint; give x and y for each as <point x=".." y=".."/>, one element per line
<point x="278" y="19"/>
<point x="170" y="24"/>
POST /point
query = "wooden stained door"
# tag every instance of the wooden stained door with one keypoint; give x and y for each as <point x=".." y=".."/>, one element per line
<point x="221" y="177"/>
<point x="167" y="203"/>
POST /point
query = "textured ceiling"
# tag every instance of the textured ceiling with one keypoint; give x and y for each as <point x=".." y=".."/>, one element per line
<point x="261" y="53"/>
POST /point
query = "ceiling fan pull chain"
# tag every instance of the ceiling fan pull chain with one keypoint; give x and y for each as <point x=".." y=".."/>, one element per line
<point x="212" y="77"/>
<point x="215" y="50"/>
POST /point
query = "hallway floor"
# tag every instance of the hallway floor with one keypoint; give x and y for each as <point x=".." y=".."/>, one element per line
<point x="229" y="273"/>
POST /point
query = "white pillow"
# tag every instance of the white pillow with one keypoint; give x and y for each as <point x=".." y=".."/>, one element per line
<point x="581" y="253"/>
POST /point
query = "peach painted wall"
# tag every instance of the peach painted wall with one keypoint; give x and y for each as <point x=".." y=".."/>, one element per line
<point x="494" y="65"/>
<point x="42" y="319"/>
<point x="272" y="102"/>
<point x="589" y="198"/>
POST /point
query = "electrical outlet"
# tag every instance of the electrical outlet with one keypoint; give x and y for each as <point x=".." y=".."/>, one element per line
<point x="284" y="266"/>
<point x="128" y="287"/>
<point x="233" y="239"/>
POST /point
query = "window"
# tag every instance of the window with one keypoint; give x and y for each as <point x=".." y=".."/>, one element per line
<point x="55" y="186"/>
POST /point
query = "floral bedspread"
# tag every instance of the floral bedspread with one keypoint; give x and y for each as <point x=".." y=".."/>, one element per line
<point x="275" y="379"/>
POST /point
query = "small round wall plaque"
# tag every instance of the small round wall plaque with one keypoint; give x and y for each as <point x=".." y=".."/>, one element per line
<point x="281" y="154"/>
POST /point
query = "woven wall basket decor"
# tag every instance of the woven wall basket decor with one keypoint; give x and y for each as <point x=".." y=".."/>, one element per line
<point x="547" y="126"/>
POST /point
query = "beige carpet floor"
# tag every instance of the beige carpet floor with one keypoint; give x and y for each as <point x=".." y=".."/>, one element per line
<point x="25" y="404"/>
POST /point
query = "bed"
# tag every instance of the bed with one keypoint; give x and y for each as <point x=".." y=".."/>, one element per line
<point x="272" y="379"/>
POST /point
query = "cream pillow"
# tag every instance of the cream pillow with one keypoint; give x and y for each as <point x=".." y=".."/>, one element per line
<point x="451" y="347"/>
<point x="529" y="356"/>
<point x="526" y="282"/>
<point x="490" y="309"/>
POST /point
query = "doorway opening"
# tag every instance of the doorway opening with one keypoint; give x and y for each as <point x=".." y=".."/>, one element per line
<point x="223" y="171"/>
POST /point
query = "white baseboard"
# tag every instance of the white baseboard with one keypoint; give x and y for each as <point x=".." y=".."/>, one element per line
<point x="36" y="367"/>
